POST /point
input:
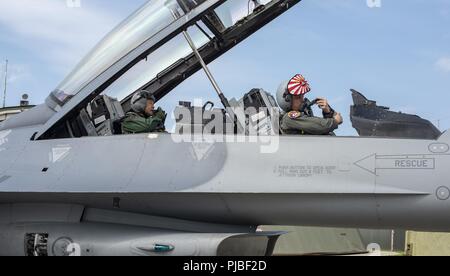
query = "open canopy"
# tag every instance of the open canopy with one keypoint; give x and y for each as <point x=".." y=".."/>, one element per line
<point x="147" y="22"/>
<point x="147" y="50"/>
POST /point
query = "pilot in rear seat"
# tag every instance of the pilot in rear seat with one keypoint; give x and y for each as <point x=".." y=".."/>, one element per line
<point x="299" y="119"/>
<point x="143" y="118"/>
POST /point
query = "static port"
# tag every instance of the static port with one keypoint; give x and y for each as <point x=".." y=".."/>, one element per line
<point x="439" y="148"/>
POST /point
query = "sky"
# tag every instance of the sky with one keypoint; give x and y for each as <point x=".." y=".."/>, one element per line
<point x="397" y="53"/>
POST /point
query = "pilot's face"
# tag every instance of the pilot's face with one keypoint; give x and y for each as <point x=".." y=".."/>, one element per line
<point x="297" y="102"/>
<point x="149" y="109"/>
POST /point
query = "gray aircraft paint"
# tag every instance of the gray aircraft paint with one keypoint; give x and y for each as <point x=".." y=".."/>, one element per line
<point x="308" y="180"/>
<point x="346" y="172"/>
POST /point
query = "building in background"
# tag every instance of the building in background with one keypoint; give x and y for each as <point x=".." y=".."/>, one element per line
<point x="427" y="244"/>
<point x="335" y="241"/>
<point x="7" y="112"/>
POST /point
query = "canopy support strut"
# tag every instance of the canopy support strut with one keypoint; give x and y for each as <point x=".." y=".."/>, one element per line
<point x="208" y="73"/>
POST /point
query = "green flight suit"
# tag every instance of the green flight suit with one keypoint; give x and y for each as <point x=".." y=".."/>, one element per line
<point x="304" y="125"/>
<point x="135" y="123"/>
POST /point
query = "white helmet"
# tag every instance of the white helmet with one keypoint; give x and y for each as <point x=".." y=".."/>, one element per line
<point x="283" y="97"/>
<point x="139" y="100"/>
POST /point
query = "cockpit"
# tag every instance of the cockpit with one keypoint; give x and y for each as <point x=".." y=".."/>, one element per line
<point x="160" y="46"/>
<point x="155" y="49"/>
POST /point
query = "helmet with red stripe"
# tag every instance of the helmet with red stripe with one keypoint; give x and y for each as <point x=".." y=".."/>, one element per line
<point x="297" y="86"/>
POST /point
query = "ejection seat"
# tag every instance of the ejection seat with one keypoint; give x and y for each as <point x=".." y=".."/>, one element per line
<point x="107" y="115"/>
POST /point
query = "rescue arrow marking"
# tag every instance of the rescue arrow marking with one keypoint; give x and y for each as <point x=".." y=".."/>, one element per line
<point x="375" y="162"/>
<point x="368" y="163"/>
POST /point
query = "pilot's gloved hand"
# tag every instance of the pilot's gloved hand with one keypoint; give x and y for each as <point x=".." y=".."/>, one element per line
<point x="324" y="105"/>
<point x="161" y="114"/>
<point x="338" y="119"/>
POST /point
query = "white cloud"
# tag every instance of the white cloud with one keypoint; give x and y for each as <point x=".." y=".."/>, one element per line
<point x="443" y="64"/>
<point x="16" y="72"/>
<point x="59" y="34"/>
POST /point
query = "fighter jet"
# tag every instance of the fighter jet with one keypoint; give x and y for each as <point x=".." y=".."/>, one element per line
<point x="72" y="184"/>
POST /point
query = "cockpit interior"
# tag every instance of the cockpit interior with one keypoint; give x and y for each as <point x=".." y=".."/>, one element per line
<point x="164" y="43"/>
<point x="212" y="28"/>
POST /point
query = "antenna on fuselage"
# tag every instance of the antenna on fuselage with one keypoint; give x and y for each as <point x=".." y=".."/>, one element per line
<point x="6" y="84"/>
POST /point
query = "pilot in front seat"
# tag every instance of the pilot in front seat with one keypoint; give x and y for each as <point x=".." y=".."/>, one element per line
<point x="297" y="120"/>
<point x="143" y="118"/>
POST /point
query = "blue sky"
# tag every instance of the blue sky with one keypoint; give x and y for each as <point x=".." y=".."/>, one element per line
<point x="398" y="54"/>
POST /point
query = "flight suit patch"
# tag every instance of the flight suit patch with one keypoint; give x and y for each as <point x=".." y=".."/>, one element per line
<point x="294" y="114"/>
